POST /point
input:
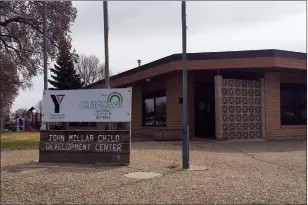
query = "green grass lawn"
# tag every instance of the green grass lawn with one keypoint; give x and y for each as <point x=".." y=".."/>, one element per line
<point x="20" y="140"/>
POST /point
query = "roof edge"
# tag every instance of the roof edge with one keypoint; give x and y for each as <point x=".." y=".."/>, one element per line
<point x="210" y="56"/>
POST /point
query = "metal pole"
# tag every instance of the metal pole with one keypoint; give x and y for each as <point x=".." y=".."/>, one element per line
<point x="45" y="52"/>
<point x="185" y="138"/>
<point x="106" y="29"/>
<point x="45" y="47"/>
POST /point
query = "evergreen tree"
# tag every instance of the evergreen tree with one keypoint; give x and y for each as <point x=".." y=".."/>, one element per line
<point x="64" y="74"/>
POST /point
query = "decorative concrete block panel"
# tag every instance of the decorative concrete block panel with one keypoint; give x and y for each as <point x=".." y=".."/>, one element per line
<point x="241" y="109"/>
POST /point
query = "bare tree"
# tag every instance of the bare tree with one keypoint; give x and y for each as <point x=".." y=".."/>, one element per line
<point x="21" y="33"/>
<point x="21" y="113"/>
<point x="90" y="69"/>
<point x="9" y="84"/>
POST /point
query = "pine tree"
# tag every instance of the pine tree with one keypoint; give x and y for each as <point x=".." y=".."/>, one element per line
<point x="65" y="76"/>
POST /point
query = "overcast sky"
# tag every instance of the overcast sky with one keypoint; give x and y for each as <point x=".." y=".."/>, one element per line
<point x="152" y="30"/>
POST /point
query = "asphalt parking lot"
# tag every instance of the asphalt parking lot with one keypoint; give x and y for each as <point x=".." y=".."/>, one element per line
<point x="253" y="172"/>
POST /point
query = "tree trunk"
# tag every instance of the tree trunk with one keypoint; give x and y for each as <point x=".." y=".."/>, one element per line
<point x="2" y="118"/>
<point x="2" y="122"/>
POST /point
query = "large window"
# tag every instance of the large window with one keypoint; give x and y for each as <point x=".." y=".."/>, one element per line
<point x="293" y="104"/>
<point x="154" y="108"/>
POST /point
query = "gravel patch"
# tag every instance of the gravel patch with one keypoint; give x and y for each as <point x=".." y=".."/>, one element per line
<point x="236" y="173"/>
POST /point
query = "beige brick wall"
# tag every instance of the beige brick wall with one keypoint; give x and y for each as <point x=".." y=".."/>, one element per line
<point x="173" y="85"/>
<point x="138" y="89"/>
<point x="272" y="106"/>
<point x="191" y="104"/>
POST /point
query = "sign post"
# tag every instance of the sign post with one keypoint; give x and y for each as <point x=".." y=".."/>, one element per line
<point x="93" y="146"/>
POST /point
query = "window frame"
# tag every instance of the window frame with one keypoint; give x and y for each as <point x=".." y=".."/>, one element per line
<point x="152" y="95"/>
<point x="297" y="90"/>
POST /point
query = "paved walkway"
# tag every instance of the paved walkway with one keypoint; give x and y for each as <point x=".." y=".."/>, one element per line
<point x="266" y="172"/>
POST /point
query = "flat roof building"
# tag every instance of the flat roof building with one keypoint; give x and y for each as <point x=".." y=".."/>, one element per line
<point x="231" y="95"/>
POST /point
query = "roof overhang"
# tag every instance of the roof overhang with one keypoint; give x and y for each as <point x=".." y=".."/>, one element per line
<point x="263" y="60"/>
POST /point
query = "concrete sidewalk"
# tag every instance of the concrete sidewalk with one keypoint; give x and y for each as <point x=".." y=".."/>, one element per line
<point x="266" y="172"/>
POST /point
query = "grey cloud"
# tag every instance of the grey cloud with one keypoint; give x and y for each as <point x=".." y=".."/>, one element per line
<point x="89" y="17"/>
<point x="164" y="18"/>
<point x="204" y="17"/>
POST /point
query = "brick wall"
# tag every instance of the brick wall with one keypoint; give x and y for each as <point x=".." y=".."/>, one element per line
<point x="191" y="104"/>
<point x="272" y="106"/>
<point x="138" y="130"/>
<point x="173" y="85"/>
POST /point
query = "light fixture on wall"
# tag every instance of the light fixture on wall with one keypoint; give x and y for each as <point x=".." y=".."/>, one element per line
<point x="148" y="80"/>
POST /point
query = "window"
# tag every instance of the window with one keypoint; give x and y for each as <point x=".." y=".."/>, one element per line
<point x="154" y="108"/>
<point x="82" y="124"/>
<point x="293" y="104"/>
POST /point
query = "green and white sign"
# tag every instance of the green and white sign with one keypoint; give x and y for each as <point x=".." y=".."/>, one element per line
<point x="87" y="105"/>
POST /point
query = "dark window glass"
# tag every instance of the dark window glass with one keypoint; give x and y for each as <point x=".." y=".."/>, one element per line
<point x="293" y="104"/>
<point x="82" y="124"/>
<point x="149" y="111"/>
<point x="154" y="108"/>
<point x="160" y="108"/>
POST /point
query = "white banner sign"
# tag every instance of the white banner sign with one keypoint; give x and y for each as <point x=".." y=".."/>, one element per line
<point x="87" y="105"/>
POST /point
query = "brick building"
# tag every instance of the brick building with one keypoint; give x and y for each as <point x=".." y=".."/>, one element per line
<point x="231" y="95"/>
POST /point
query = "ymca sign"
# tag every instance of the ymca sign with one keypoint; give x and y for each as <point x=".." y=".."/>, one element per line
<point x="91" y="105"/>
<point x="91" y="146"/>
